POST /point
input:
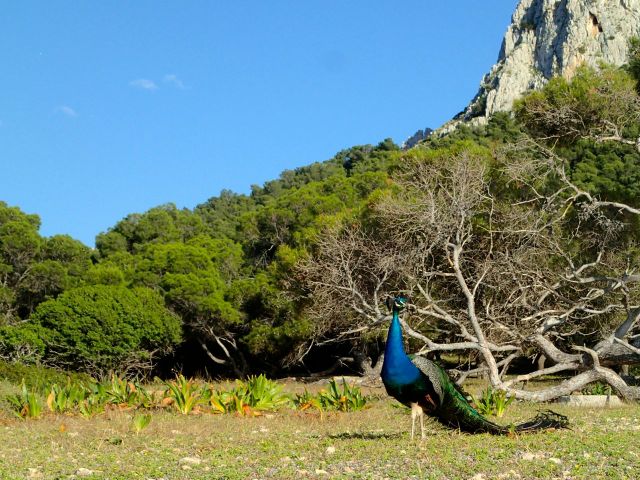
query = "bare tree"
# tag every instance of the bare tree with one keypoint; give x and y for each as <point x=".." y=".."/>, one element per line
<point x="508" y="261"/>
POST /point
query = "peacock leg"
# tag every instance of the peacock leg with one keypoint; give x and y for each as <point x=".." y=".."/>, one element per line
<point x="415" y="413"/>
<point x="422" y="425"/>
<point x="413" y="425"/>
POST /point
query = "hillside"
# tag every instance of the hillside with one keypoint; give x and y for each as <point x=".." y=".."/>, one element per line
<point x="491" y="229"/>
<point x="549" y="38"/>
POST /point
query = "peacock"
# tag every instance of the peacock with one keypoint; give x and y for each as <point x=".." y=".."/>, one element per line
<point x="424" y="386"/>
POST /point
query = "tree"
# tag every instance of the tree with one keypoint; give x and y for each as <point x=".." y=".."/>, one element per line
<point x="33" y="268"/>
<point x="100" y="329"/>
<point x="502" y="255"/>
<point x="633" y="66"/>
<point x="189" y="276"/>
<point x="162" y="224"/>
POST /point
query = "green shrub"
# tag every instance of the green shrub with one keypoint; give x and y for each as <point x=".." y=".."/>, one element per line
<point x="106" y="328"/>
<point x="37" y="377"/>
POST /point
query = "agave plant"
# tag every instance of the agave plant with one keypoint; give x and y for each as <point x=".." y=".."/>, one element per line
<point x="25" y="404"/>
<point x="349" y="398"/>
<point x="492" y="402"/>
<point x="305" y="400"/>
<point x="260" y="393"/>
<point x="92" y="405"/>
<point x="250" y="397"/>
<point x="183" y="394"/>
<point x="67" y="397"/>
<point x="229" y="401"/>
<point x="125" y="393"/>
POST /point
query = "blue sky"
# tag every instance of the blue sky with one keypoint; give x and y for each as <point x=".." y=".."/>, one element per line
<point x="110" y="108"/>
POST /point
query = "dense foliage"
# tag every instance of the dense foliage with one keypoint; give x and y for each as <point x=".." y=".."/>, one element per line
<point x="222" y="270"/>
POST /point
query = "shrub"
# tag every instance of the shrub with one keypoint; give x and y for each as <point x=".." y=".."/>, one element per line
<point x="106" y="328"/>
<point x="38" y="377"/>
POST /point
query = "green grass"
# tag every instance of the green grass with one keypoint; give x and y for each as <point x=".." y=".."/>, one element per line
<point x="373" y="443"/>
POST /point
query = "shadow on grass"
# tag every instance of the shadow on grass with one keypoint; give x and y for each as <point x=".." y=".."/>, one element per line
<point x="364" y="435"/>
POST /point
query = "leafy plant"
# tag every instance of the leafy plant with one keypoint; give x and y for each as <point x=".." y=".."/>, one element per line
<point x="492" y="402"/>
<point x="501" y="402"/>
<point x="305" y="400"/>
<point x="67" y="397"/>
<point x="597" y="388"/>
<point x="260" y="393"/>
<point x="183" y="394"/>
<point x="229" y="401"/>
<point x="25" y="404"/>
<point x="92" y="405"/>
<point x="346" y="399"/>
<point x="256" y="394"/>
<point x="125" y="393"/>
<point x="140" y="422"/>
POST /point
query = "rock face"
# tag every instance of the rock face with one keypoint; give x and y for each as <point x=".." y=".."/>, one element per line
<point x="554" y="37"/>
<point x="416" y="138"/>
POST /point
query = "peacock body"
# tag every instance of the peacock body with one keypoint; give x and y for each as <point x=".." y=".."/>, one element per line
<point x="424" y="386"/>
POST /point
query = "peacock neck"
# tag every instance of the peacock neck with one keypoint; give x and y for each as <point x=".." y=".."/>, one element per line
<point x="397" y="366"/>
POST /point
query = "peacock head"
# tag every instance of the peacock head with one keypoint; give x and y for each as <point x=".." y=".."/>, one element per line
<point x="396" y="304"/>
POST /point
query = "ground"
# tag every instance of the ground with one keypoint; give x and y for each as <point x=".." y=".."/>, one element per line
<point x="372" y="444"/>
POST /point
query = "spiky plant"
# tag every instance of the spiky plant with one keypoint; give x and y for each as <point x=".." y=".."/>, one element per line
<point x="347" y="398"/>
<point x="183" y="393"/>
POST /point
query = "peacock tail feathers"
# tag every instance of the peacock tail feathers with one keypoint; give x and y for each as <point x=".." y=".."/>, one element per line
<point x="544" y="420"/>
<point x="454" y="410"/>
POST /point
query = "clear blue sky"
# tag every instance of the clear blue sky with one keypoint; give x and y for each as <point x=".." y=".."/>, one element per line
<point x="109" y="108"/>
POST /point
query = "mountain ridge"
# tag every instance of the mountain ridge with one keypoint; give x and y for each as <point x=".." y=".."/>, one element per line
<point x="547" y="38"/>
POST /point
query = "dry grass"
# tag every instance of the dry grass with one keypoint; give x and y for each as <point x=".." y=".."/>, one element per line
<point x="373" y="444"/>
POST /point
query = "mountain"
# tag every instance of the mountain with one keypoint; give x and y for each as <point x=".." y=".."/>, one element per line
<point x="547" y="38"/>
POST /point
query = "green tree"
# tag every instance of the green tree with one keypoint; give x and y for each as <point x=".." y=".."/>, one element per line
<point x="106" y="328"/>
<point x="633" y="65"/>
<point x="191" y="277"/>
<point x="162" y="224"/>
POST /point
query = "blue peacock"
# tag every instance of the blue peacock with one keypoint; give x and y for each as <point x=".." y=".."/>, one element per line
<point x="424" y="386"/>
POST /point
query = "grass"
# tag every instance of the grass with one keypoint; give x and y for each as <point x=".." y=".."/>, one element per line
<point x="372" y="443"/>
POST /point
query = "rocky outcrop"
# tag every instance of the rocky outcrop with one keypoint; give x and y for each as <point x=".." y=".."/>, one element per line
<point x="553" y="37"/>
<point x="416" y="138"/>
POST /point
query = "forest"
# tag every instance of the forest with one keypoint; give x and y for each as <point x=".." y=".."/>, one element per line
<point x="515" y="241"/>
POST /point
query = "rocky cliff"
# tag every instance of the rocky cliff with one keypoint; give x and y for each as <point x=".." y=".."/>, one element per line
<point x="553" y="37"/>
